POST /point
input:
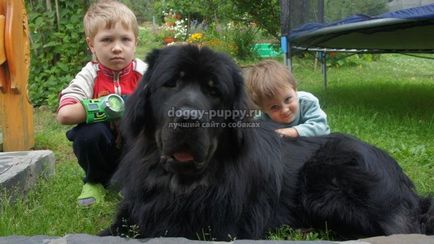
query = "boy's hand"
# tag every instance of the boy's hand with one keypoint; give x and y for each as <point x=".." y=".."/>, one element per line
<point x="287" y="132"/>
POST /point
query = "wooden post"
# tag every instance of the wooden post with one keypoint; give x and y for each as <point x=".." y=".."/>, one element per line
<point x="16" y="112"/>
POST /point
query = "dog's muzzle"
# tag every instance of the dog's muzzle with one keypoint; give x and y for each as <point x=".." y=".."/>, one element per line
<point x="185" y="144"/>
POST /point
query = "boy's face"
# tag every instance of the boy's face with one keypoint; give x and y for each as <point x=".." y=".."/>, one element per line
<point x="283" y="107"/>
<point x="115" y="47"/>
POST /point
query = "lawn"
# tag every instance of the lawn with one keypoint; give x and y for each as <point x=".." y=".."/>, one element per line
<point x="389" y="103"/>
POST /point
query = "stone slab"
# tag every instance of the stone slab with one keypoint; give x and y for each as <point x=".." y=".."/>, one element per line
<point x="85" y="238"/>
<point x="401" y="239"/>
<point x="19" y="171"/>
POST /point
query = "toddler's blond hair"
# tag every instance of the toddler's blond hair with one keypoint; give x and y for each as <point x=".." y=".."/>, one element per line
<point x="106" y="13"/>
<point x="265" y="79"/>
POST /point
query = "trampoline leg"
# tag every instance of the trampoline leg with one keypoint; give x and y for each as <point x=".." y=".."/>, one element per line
<point x="324" y="68"/>
<point x="286" y="48"/>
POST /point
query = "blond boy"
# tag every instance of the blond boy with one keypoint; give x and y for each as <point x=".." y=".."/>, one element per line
<point x="111" y="34"/>
<point x="273" y="89"/>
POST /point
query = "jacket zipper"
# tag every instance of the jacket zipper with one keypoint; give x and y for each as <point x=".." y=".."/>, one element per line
<point x="117" y="85"/>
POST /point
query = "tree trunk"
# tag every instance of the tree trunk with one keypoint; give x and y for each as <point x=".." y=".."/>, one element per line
<point x="48" y="4"/>
<point x="57" y="14"/>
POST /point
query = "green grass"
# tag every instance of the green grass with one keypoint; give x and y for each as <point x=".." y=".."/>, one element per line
<point x="51" y="209"/>
<point x="389" y="103"/>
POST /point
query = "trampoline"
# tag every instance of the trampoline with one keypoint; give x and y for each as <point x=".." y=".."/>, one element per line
<point x="404" y="31"/>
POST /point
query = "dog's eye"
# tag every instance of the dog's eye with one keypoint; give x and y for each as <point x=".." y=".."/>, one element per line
<point x="171" y="83"/>
<point x="212" y="89"/>
<point x="174" y="81"/>
<point x="214" y="92"/>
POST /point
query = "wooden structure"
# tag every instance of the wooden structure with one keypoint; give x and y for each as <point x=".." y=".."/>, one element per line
<point x="16" y="114"/>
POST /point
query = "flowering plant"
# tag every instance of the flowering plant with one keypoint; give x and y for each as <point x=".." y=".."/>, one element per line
<point x="170" y="17"/>
<point x="180" y="29"/>
<point x="196" y="37"/>
<point x="173" y="26"/>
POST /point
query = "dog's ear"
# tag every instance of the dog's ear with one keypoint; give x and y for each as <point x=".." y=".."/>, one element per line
<point x="152" y="57"/>
<point x="240" y="103"/>
<point x="240" y="98"/>
<point x="137" y="114"/>
<point x="134" y="118"/>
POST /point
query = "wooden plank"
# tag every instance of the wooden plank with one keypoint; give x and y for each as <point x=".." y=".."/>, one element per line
<point x="17" y="123"/>
<point x="16" y="112"/>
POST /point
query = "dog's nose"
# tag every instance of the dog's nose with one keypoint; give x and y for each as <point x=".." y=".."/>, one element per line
<point x="187" y="114"/>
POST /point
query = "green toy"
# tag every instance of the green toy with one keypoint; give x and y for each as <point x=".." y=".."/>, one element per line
<point x="105" y="108"/>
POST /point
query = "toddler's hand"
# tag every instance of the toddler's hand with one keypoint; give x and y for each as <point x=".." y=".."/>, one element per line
<point x="287" y="132"/>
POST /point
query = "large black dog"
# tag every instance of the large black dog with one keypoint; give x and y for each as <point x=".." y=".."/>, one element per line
<point x="197" y="166"/>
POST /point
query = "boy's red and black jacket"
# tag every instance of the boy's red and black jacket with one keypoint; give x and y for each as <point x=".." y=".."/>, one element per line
<point x="96" y="80"/>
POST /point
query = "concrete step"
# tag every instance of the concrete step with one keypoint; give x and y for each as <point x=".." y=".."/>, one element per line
<point x="85" y="238"/>
<point x="19" y="171"/>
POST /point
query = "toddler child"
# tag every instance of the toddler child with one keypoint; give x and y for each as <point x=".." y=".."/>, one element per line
<point x="273" y="89"/>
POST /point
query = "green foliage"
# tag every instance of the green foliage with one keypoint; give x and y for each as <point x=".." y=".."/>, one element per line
<point x="184" y="7"/>
<point x="337" y="9"/>
<point x="141" y="8"/>
<point x="194" y="9"/>
<point x="264" y="13"/>
<point x="287" y="233"/>
<point x="243" y="38"/>
<point x="147" y="41"/>
<point x="58" y="50"/>
<point x="235" y="39"/>
<point x="336" y="59"/>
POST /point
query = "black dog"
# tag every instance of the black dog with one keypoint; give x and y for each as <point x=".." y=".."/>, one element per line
<point x="195" y="166"/>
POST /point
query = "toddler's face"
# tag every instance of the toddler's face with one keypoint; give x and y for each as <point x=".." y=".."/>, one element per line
<point x="283" y="108"/>
<point x="114" y="47"/>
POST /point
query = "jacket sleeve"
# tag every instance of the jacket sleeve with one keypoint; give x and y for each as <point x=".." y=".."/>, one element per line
<point x="313" y="119"/>
<point x="140" y="66"/>
<point x="81" y="87"/>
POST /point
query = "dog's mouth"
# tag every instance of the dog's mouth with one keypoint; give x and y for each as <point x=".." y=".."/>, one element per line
<point x="182" y="161"/>
<point x="183" y="156"/>
<point x="185" y="151"/>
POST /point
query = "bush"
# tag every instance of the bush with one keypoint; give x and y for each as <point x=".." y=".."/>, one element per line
<point x="58" y="50"/>
<point x="235" y="39"/>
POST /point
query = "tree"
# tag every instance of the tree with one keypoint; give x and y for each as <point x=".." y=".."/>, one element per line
<point x="142" y="9"/>
<point x="265" y="13"/>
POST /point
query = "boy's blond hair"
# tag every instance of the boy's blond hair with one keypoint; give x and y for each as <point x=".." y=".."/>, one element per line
<point x="106" y="13"/>
<point x="265" y="79"/>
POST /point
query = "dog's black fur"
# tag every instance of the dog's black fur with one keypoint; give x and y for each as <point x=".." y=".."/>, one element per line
<point x="201" y="181"/>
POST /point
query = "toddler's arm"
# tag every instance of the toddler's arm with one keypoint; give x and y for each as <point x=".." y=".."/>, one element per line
<point x="313" y="120"/>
